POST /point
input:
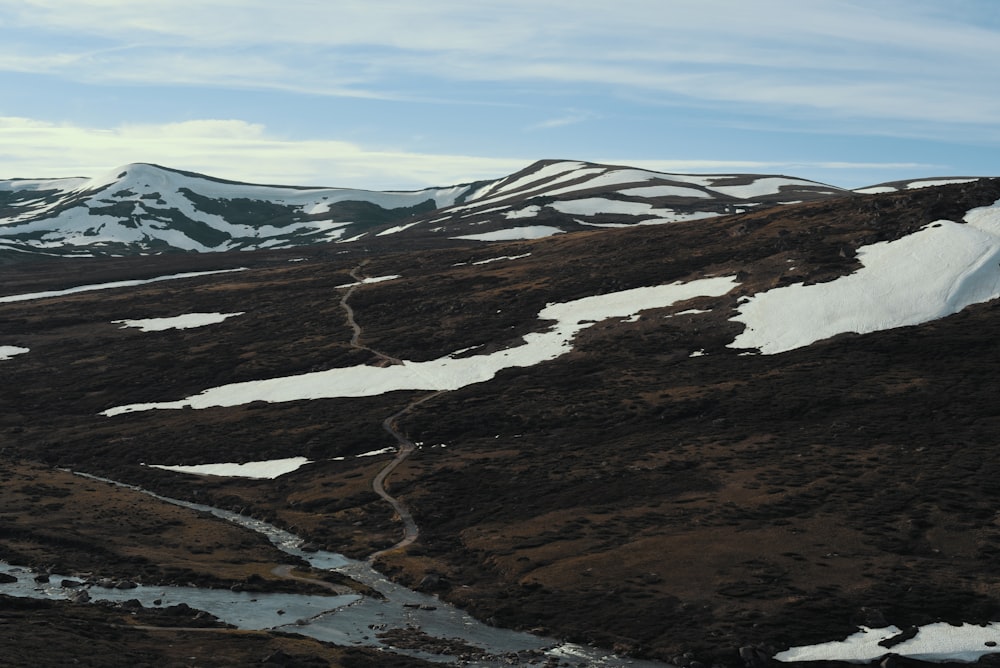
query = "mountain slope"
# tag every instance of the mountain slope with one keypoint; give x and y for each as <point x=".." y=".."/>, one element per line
<point x="149" y="209"/>
<point x="728" y="437"/>
<point x="553" y="196"/>
<point x="146" y="208"/>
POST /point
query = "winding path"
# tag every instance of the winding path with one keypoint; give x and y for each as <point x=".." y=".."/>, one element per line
<point x="410" y="529"/>
<point x="384" y="359"/>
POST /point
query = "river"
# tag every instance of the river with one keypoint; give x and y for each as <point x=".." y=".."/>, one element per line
<point x="346" y="619"/>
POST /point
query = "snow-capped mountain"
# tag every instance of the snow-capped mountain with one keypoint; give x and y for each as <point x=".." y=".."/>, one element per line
<point x="145" y="208"/>
<point x="551" y="197"/>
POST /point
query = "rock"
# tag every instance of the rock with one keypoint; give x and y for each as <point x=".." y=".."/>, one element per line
<point x="126" y="584"/>
<point x="70" y="584"/>
<point x="901" y="637"/>
<point x="80" y="596"/>
<point x="6" y="578"/>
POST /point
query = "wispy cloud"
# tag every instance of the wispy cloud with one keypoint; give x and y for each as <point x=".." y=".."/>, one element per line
<point x="235" y="149"/>
<point x="231" y="149"/>
<point x="494" y="77"/>
<point x="882" y="60"/>
<point x="569" y="118"/>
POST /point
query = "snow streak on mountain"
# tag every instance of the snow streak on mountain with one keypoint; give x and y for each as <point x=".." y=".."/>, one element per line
<point x="142" y="208"/>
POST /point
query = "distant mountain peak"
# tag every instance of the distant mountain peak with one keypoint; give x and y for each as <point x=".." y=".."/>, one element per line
<point x="144" y="207"/>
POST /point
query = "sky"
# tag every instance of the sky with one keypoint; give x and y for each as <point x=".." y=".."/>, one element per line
<point x="395" y="94"/>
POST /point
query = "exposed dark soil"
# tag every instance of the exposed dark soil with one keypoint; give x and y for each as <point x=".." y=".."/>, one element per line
<point x="625" y="494"/>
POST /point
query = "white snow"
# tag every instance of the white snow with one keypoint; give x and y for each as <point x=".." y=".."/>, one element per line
<point x="670" y="216"/>
<point x="373" y="453"/>
<point x="546" y="173"/>
<point x="664" y="191"/>
<point x="397" y="228"/>
<point x="937" y="642"/>
<point x="73" y="217"/>
<point x="613" y="225"/>
<point x="527" y="212"/>
<point x="449" y="373"/>
<point x="567" y="171"/>
<point x="608" y="179"/>
<point x="113" y="284"/>
<point x="933" y="273"/>
<point x="593" y="206"/>
<point x="6" y="352"/>
<point x="502" y="257"/>
<point x="269" y="469"/>
<point x="770" y="185"/>
<point x="366" y="281"/>
<point x="875" y="190"/>
<point x="186" y="321"/>
<point x="514" y="233"/>
<point x="860" y="647"/>
<point x="930" y="183"/>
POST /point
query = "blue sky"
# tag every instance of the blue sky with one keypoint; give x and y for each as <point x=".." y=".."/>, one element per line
<point x="389" y="94"/>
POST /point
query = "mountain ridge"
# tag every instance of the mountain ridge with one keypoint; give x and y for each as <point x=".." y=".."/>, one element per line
<point x="148" y="208"/>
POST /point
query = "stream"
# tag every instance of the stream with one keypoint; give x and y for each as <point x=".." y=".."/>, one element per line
<point x="350" y="620"/>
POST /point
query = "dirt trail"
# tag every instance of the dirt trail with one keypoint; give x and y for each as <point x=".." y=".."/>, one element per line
<point x="384" y="359"/>
<point x="406" y="446"/>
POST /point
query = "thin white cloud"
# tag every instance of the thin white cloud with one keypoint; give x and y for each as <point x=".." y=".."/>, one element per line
<point x="237" y="150"/>
<point x="882" y="60"/>
<point x="570" y="118"/>
<point x="231" y="149"/>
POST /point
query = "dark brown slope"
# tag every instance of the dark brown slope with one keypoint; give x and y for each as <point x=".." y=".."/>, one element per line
<point x="625" y="494"/>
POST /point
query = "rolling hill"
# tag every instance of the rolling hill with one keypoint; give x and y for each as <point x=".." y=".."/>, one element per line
<point x="145" y="209"/>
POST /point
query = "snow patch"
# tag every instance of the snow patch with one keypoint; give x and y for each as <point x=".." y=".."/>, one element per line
<point x="112" y="285"/>
<point x="770" y="185"/>
<point x="527" y="212"/>
<point x="186" y="321"/>
<point x="932" y="273"/>
<point x="450" y="373"/>
<point x="269" y="469"/>
<point x="6" y="352"/>
<point x="936" y="182"/>
<point x="876" y="190"/>
<point x="514" y="233"/>
<point x="938" y="642"/>
<point x="366" y="281"/>
<point x="502" y="257"/>
<point x="665" y="191"/>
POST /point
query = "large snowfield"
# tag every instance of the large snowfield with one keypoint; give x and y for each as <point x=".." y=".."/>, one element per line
<point x="930" y="274"/>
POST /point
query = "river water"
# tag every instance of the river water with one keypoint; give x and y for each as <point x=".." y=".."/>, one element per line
<point x="345" y="620"/>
